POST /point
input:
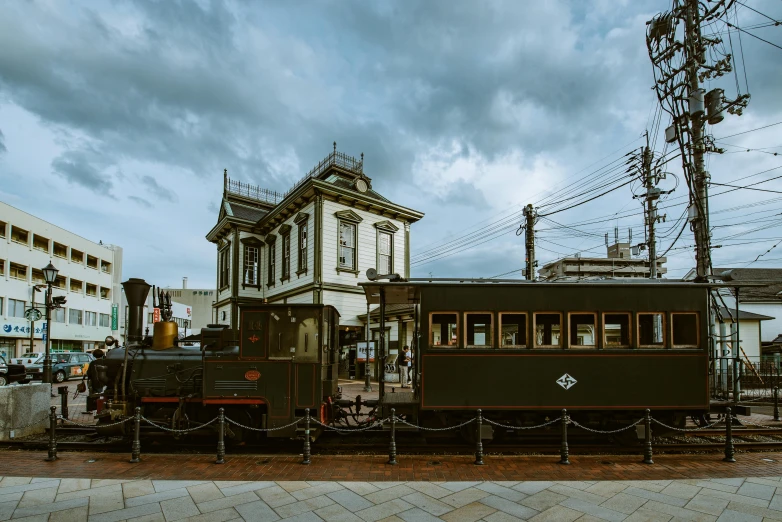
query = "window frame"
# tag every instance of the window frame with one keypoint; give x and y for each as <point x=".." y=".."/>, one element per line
<point x="13" y="301"/>
<point x="224" y="267"/>
<point x="14" y="267"/>
<point x="271" y="259"/>
<point x="247" y="265"/>
<point x="430" y="341"/>
<point x="286" y="258"/>
<point x="593" y="346"/>
<point x="526" y="331"/>
<point x="379" y="255"/>
<point x="354" y="257"/>
<point x="535" y="345"/>
<point x="80" y="316"/>
<point x="302" y="242"/>
<point x="697" y="344"/>
<point x="491" y="344"/>
<point x="629" y="331"/>
<point x="662" y="346"/>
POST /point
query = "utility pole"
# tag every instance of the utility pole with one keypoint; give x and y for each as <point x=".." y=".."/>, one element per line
<point x="529" y="243"/>
<point x="652" y="194"/>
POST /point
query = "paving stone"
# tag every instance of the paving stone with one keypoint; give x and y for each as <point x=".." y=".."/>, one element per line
<point x="650" y="485"/>
<point x="99" y="483"/>
<point x="226" y="502"/>
<point x="50" y="508"/>
<point x="14" y="481"/>
<point x="509" y="507"/>
<point x="417" y="515"/>
<point x="67" y="485"/>
<point x="710" y="484"/>
<point x="257" y="510"/>
<point x="137" y="488"/>
<point x="275" y="496"/>
<point x="297" y="508"/>
<point x="577" y="493"/>
<point x="77" y="514"/>
<point x="165" y="485"/>
<point x="756" y="490"/>
<point x="464" y="497"/>
<point x="591" y="509"/>
<point x="644" y="515"/>
<point x="543" y="500"/>
<point x="458" y="486"/>
<point x="576" y="484"/>
<point x="737" y="482"/>
<point x="305" y="517"/>
<point x="204" y="492"/>
<point x="532" y="487"/>
<point x="362" y="488"/>
<point x="153" y="517"/>
<point x="763" y="480"/>
<point x="658" y="497"/>
<point x="706" y="504"/>
<point x="350" y="500"/>
<point x="627" y="504"/>
<point x="7" y="509"/>
<point x="557" y="514"/>
<point x="734" y="516"/>
<point x="734" y="497"/>
<point x="776" y="503"/>
<point x="678" y="512"/>
<point x="606" y="489"/>
<point x="767" y="514"/>
<point x="179" y="508"/>
<point x="291" y="486"/>
<point x="12" y="497"/>
<point x="384" y="495"/>
<point x="679" y="490"/>
<point x="101" y="491"/>
<point x="336" y="513"/>
<point x="316" y="491"/>
<point x="166" y="494"/>
<point x="501" y="491"/>
<point x="428" y="504"/>
<point x="388" y="484"/>
<point x="244" y="488"/>
<point x="221" y="515"/>
<point x="469" y="513"/>
<point x="384" y="510"/>
<point x="21" y="488"/>
<point x="106" y="503"/>
<point x="34" y="518"/>
<point x="429" y="489"/>
<point x="125" y="514"/>
<point x="39" y="496"/>
<point x="499" y="516"/>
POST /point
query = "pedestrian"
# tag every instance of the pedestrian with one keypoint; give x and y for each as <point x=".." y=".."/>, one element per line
<point x="404" y="367"/>
<point x="92" y="374"/>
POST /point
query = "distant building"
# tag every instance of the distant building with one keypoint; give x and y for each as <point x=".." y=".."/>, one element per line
<point x="89" y="277"/>
<point x="619" y="263"/>
<point x="180" y="313"/>
<point x="312" y="244"/>
<point x="199" y="303"/>
<point x="765" y="300"/>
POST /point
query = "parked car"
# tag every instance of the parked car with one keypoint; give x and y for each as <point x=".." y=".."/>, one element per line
<point x="11" y="372"/>
<point x="64" y="366"/>
<point x="29" y="358"/>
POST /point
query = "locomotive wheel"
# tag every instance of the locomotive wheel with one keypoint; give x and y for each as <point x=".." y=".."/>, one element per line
<point x="179" y="424"/>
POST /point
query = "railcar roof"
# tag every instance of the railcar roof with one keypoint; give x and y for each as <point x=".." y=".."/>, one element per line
<point x="406" y="292"/>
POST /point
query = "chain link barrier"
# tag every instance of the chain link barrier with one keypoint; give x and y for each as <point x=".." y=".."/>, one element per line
<point x="172" y="430"/>
<point x="507" y="426"/>
<point x="605" y="432"/>
<point x="30" y="424"/>
<point x="231" y="421"/>
<point x="437" y="429"/>
<point x="688" y="429"/>
<point x="375" y="424"/>
<point x="60" y="417"/>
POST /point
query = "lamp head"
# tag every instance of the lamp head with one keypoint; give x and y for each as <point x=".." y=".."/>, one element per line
<point x="50" y="273"/>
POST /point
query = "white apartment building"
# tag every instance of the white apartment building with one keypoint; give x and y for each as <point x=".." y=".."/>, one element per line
<point x="89" y="277"/>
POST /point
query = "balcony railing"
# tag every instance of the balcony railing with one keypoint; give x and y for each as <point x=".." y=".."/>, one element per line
<point x="253" y="191"/>
<point x="335" y="159"/>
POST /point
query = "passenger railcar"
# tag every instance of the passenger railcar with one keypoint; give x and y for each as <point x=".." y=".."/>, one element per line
<point x="523" y="351"/>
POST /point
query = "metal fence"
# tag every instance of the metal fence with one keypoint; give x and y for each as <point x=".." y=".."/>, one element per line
<point x="752" y="378"/>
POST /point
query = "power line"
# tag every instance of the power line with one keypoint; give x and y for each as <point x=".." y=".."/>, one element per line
<point x="752" y="35"/>
<point x="751" y="130"/>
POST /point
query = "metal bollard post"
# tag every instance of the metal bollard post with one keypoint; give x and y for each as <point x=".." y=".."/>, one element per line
<point x="306" y="451"/>
<point x="564" y="450"/>
<point x="392" y="446"/>
<point x="479" y="444"/>
<point x="776" y="403"/>
<point x="220" y="436"/>
<point x="135" y="452"/>
<point x="729" y="450"/>
<point x="63" y="391"/>
<point x="648" y="438"/>
<point x="52" y="435"/>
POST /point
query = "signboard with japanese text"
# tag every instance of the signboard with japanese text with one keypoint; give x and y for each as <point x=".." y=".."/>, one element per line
<point x="156" y="315"/>
<point x="114" y="317"/>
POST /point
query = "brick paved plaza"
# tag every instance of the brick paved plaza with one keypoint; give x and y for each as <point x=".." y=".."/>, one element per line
<point x="192" y="487"/>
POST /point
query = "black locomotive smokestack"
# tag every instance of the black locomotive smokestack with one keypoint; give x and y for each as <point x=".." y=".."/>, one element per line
<point x="136" y="291"/>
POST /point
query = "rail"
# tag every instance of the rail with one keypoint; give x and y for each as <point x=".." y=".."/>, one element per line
<point x="564" y="420"/>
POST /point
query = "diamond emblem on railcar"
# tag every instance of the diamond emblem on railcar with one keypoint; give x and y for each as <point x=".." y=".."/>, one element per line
<point x="566" y="381"/>
<point x="253" y="339"/>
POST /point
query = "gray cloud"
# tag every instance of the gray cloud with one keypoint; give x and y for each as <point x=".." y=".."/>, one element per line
<point x="78" y="168"/>
<point x="140" y="201"/>
<point x="159" y="191"/>
<point x="2" y="143"/>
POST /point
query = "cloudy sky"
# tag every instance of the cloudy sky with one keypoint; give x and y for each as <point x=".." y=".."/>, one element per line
<point x="118" y="118"/>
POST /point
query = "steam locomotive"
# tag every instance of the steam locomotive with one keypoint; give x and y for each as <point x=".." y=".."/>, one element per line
<point x="282" y="360"/>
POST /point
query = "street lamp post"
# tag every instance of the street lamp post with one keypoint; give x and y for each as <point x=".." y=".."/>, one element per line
<point x="50" y="276"/>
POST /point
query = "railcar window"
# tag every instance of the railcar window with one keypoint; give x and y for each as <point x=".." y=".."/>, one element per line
<point x="282" y="335"/>
<point x="548" y="328"/>
<point x="444" y="328"/>
<point x="513" y="330"/>
<point x="651" y="328"/>
<point x="583" y="330"/>
<point x="684" y="330"/>
<point x="479" y="328"/>
<point x="616" y="330"/>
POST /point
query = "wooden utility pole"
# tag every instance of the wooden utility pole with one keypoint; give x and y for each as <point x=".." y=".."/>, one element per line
<point x="529" y="243"/>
